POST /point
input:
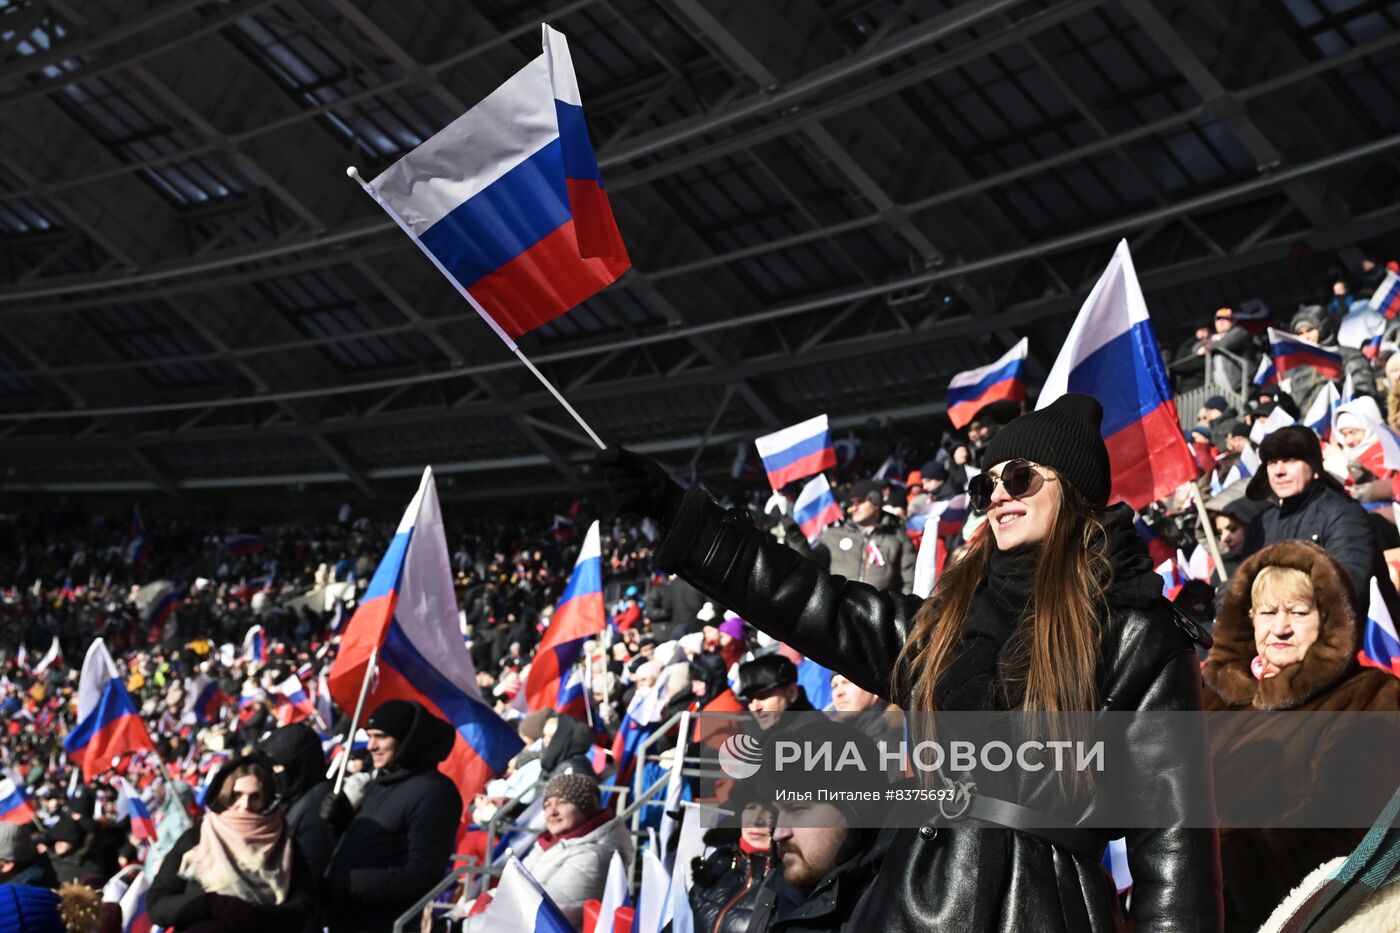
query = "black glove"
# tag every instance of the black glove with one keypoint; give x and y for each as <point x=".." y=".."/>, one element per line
<point x="336" y="811"/>
<point x="638" y="485"/>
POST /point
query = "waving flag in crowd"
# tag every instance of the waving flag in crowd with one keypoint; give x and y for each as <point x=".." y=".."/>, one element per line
<point x="518" y="904"/>
<point x="242" y="545"/>
<point x="1291" y="352"/>
<point x="797" y="452"/>
<point x="1005" y="380"/>
<point x="143" y="825"/>
<point x="579" y="616"/>
<point x="1111" y="353"/>
<point x="135" y="913"/>
<point x="15" y="806"/>
<point x="108" y="723"/>
<point x="408" y="619"/>
<point x="1322" y="412"/>
<point x="1380" y="646"/>
<point x="815" y="508"/>
<point x="1267" y="374"/>
<point x="508" y="202"/>
<point x="52" y="658"/>
<point x="290" y="703"/>
<point x="1386" y="298"/>
<point x="255" y="645"/>
<point x="206" y="699"/>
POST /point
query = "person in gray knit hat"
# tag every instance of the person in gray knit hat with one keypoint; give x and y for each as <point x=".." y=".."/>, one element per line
<point x="570" y="859"/>
<point x="1053" y="606"/>
<point x="20" y="860"/>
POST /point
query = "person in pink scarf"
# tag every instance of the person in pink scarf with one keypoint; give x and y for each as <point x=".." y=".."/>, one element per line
<point x="239" y="870"/>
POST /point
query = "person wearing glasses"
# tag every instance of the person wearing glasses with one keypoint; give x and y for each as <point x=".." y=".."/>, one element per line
<point x="1054" y="607"/>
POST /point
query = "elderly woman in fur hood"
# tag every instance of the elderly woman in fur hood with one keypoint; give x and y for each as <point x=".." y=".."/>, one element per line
<point x="1286" y="638"/>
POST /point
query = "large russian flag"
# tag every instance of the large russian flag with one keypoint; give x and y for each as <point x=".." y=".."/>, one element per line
<point x="518" y="904"/>
<point x="1291" y="352"/>
<point x="1386" y="298"/>
<point x="508" y="200"/>
<point x="579" y="616"/>
<point x="797" y="452"/>
<point x="408" y="616"/>
<point x="1380" y="644"/>
<point x="108" y="724"/>
<point x="815" y="508"/>
<point x="1005" y="380"/>
<point x="135" y="913"/>
<point x="1112" y="354"/>
<point x="15" y="806"/>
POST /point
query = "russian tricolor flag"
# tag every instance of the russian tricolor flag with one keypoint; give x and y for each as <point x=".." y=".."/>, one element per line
<point x="1267" y="374"/>
<point x="951" y="515"/>
<point x="508" y="201"/>
<point x="1291" y="352"/>
<point x="290" y="702"/>
<point x="518" y="904"/>
<point x="1005" y="380"/>
<point x="816" y="508"/>
<point x="108" y="724"/>
<point x="255" y="645"/>
<point x="408" y="616"/>
<point x="1112" y="354"/>
<point x="143" y="825"/>
<point x="1172" y="578"/>
<point x="797" y="452"/>
<point x="1380" y="646"/>
<point x="135" y="915"/>
<point x="579" y="616"/>
<point x="243" y="545"/>
<point x="1386" y="298"/>
<point x="14" y="802"/>
<point x="1322" y="412"/>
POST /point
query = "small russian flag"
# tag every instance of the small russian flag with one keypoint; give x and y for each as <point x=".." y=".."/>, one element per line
<point x="1380" y="645"/>
<point x="1291" y="352"/>
<point x="1267" y="374"/>
<point x="290" y="702"/>
<point x="797" y="452"/>
<point x="14" y="802"/>
<point x="1005" y="380"/>
<point x="1386" y="299"/>
<point x="143" y="826"/>
<point x="816" y="508"/>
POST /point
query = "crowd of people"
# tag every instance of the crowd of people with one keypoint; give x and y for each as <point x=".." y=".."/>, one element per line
<point x="1046" y="598"/>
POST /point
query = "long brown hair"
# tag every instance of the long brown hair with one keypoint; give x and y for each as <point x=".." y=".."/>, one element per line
<point x="1064" y="614"/>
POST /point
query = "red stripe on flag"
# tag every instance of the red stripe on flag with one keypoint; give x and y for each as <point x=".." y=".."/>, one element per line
<point x="543" y="282"/>
<point x="122" y="736"/>
<point x="1012" y="390"/>
<point x="1149" y="458"/>
<point x="364" y="634"/>
<point x="594" y="223"/>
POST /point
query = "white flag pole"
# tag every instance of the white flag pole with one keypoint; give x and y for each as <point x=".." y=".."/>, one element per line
<point x="354" y="173"/>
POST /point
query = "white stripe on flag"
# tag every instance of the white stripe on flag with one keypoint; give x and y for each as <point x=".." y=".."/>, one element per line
<point x="770" y="444"/>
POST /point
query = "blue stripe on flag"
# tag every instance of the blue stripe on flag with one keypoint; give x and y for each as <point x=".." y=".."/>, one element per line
<point x="586" y="578"/>
<point x="579" y="161"/>
<point x="1012" y="370"/>
<point x="802" y="449"/>
<point x="1126" y="376"/>
<point x="515" y="212"/>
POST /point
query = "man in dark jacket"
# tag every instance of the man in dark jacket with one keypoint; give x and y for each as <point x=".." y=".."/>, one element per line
<point x="300" y="765"/>
<point x="768" y="687"/>
<point x="1310" y="506"/>
<point x="399" y="842"/>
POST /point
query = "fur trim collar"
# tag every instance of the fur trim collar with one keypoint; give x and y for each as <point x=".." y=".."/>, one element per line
<point x="1329" y="659"/>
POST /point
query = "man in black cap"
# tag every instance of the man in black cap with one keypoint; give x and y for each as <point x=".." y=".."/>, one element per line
<point x="768" y="686"/>
<point x="398" y="844"/>
<point x="1311" y="506"/>
<point x="863" y="547"/>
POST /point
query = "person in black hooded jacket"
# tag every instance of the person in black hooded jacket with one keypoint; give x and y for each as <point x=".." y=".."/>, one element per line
<point x="1059" y="587"/>
<point x="726" y="882"/>
<point x="398" y="844"/>
<point x="300" y="766"/>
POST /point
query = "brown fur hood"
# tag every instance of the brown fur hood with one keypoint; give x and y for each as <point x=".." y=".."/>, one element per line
<point x="1330" y="658"/>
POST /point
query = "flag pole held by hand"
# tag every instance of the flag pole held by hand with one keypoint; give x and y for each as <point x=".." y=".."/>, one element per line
<point x="354" y="173"/>
<point x="355" y="720"/>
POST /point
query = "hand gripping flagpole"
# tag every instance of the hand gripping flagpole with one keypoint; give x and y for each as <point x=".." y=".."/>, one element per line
<point x="354" y="173"/>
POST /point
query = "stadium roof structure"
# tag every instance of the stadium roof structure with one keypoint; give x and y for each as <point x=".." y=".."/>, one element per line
<point x="831" y="206"/>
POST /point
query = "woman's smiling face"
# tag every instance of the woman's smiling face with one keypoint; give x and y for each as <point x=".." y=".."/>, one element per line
<point x="1026" y="520"/>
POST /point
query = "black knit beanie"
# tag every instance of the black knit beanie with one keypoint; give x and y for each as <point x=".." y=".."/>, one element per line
<point x="394" y="718"/>
<point x="1063" y="436"/>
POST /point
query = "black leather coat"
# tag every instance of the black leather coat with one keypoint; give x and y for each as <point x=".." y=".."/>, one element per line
<point x="724" y="890"/>
<point x="963" y="878"/>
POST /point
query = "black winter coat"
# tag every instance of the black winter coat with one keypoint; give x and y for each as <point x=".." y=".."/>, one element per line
<point x="399" y="843"/>
<point x="961" y="878"/>
<point x="1328" y="517"/>
<point x="833" y="905"/>
<point x="177" y="904"/>
<point x="725" y="887"/>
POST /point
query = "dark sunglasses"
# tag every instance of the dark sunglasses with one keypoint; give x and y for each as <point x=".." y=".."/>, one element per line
<point x="1019" y="478"/>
